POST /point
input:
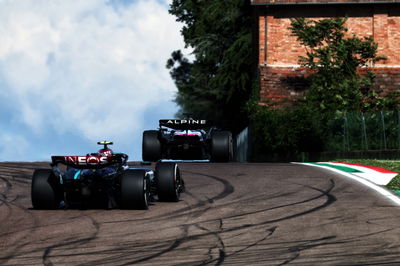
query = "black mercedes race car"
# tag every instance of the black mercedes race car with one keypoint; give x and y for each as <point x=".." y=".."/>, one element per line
<point x="103" y="178"/>
<point x="186" y="139"/>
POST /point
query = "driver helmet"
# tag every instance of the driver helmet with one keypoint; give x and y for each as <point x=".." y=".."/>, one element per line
<point x="106" y="152"/>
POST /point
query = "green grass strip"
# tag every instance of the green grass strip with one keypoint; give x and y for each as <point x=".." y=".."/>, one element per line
<point x="339" y="167"/>
<point x="396" y="191"/>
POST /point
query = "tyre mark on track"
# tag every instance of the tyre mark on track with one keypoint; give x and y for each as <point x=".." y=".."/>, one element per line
<point x="268" y="234"/>
<point x="185" y="237"/>
<point x="289" y="260"/>
<point x="6" y="190"/>
<point x="46" y="254"/>
<point x="192" y="209"/>
<point x="324" y="193"/>
<point x="5" y="203"/>
<point x="36" y="226"/>
<point x="228" y="188"/>
<point x="10" y="254"/>
<point x="310" y="244"/>
<point x="220" y="245"/>
<point x="21" y="180"/>
<point x="221" y="258"/>
<point x="173" y="246"/>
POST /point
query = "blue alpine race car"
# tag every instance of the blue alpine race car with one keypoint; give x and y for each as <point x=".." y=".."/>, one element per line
<point x="186" y="139"/>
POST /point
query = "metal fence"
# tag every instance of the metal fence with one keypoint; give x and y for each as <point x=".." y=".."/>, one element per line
<point x="350" y="135"/>
<point x="364" y="131"/>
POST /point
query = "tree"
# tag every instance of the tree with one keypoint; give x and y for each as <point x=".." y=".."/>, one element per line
<point x="218" y="83"/>
<point x="334" y="59"/>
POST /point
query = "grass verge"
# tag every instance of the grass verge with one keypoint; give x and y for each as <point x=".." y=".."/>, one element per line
<point x="393" y="165"/>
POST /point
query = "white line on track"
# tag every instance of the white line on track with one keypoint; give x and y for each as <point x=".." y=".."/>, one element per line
<point x="389" y="195"/>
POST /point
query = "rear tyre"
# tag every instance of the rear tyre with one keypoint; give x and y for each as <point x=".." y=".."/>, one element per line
<point x="151" y="146"/>
<point x="45" y="190"/>
<point x="169" y="181"/>
<point x="134" y="190"/>
<point x="221" y="146"/>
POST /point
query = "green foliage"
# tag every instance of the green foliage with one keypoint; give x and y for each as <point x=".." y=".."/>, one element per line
<point x="334" y="59"/>
<point x="374" y="101"/>
<point x="217" y="84"/>
<point x="282" y="135"/>
<point x="330" y="117"/>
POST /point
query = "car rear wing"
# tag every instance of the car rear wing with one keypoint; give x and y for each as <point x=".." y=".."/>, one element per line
<point x="184" y="124"/>
<point x="89" y="162"/>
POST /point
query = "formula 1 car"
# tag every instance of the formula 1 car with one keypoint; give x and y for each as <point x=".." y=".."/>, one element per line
<point x="104" y="177"/>
<point x="186" y="139"/>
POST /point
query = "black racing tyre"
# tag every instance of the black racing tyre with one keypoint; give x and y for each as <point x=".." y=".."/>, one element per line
<point x="45" y="190"/>
<point x="221" y="146"/>
<point x="134" y="189"/>
<point x="169" y="181"/>
<point x="151" y="146"/>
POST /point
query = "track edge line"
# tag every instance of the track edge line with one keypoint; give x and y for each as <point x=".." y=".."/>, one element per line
<point x="383" y="191"/>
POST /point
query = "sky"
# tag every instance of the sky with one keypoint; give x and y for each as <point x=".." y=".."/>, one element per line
<point x="76" y="72"/>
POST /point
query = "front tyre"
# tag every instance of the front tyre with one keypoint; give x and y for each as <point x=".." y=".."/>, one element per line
<point x="134" y="189"/>
<point x="221" y="146"/>
<point x="169" y="181"/>
<point x="45" y="190"/>
<point x="151" y="146"/>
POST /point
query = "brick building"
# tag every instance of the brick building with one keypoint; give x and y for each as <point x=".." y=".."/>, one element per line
<point x="281" y="77"/>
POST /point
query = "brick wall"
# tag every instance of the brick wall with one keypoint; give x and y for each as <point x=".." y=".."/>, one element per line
<point x="281" y="76"/>
<point x="281" y="86"/>
<point x="387" y="80"/>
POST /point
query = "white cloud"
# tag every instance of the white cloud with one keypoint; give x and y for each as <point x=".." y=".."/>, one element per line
<point x="91" y="67"/>
<point x="13" y="147"/>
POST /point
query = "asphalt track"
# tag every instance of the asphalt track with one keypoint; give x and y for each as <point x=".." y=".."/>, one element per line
<point x="232" y="214"/>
